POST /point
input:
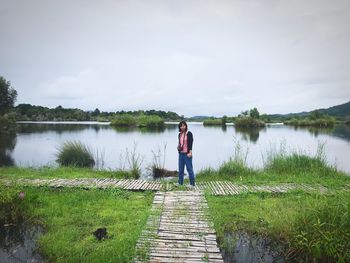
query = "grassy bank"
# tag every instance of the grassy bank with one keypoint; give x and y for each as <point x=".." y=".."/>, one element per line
<point x="312" y="227"/>
<point x="61" y="172"/>
<point x="71" y="216"/>
<point x="322" y="122"/>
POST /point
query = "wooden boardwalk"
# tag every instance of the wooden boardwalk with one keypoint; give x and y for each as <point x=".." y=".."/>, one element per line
<point x="213" y="187"/>
<point x="181" y="232"/>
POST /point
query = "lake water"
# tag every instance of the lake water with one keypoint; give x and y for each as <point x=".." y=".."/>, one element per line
<point x="36" y="144"/>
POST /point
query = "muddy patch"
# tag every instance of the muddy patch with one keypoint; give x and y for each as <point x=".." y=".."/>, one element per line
<point x="18" y="242"/>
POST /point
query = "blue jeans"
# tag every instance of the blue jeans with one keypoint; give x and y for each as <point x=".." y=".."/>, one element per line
<point x="184" y="160"/>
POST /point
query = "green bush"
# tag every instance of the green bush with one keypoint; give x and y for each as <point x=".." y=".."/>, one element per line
<point x="149" y="121"/>
<point x="248" y="122"/>
<point x="123" y="120"/>
<point x="127" y="120"/>
<point x="75" y="153"/>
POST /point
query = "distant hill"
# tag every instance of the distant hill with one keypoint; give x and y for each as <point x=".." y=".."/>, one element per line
<point x="338" y="111"/>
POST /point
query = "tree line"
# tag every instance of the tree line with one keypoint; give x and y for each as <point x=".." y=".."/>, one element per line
<point x="26" y="112"/>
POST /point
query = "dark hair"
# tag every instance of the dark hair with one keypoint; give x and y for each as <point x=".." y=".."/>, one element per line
<point x="182" y="122"/>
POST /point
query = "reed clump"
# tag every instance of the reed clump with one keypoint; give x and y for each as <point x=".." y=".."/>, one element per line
<point x="75" y="153"/>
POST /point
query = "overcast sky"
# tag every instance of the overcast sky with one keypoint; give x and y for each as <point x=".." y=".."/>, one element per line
<point x="192" y="57"/>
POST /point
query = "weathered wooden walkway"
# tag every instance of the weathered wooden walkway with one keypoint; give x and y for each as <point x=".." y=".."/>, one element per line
<point x="181" y="232"/>
<point x="214" y="187"/>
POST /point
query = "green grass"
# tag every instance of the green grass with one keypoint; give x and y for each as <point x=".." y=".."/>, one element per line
<point x="75" y="153"/>
<point x="313" y="227"/>
<point x="61" y="172"/>
<point x="127" y="120"/>
<point x="70" y="216"/>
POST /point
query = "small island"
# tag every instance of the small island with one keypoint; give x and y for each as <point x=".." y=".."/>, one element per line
<point x="314" y="119"/>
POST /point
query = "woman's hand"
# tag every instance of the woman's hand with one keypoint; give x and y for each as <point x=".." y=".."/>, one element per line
<point x="189" y="155"/>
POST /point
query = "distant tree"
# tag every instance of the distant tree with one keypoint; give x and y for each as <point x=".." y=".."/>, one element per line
<point x="224" y="120"/>
<point x="96" y="112"/>
<point x="254" y="113"/>
<point x="314" y="115"/>
<point x="244" y="113"/>
<point x="8" y="96"/>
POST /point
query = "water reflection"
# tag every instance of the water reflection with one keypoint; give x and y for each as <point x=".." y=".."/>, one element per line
<point x="340" y="131"/>
<point x="24" y="128"/>
<point x="242" y="247"/>
<point x="250" y="134"/>
<point x="7" y="145"/>
<point x="18" y="242"/>
<point x="316" y="131"/>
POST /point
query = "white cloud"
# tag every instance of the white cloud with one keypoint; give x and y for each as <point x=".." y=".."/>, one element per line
<point x="193" y="57"/>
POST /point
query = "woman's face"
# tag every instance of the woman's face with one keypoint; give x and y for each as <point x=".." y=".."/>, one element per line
<point x="183" y="127"/>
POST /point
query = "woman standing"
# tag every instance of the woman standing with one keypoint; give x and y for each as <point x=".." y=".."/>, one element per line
<point x="185" y="153"/>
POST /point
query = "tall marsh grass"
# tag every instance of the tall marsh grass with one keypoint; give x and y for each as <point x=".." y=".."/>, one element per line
<point x="237" y="164"/>
<point x="280" y="165"/>
<point x="75" y="153"/>
<point x="157" y="167"/>
<point x="292" y="161"/>
<point x="131" y="161"/>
